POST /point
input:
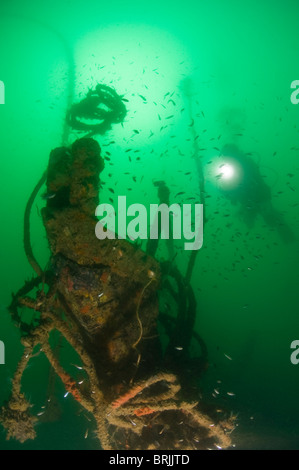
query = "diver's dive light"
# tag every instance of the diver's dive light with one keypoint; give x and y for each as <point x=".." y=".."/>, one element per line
<point x="228" y="172"/>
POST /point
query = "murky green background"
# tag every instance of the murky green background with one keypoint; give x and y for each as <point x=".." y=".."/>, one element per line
<point x="241" y="58"/>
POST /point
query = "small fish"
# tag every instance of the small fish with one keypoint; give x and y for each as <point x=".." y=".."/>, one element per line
<point x="47" y="196"/>
<point x="228" y="357"/>
<point x="78" y="367"/>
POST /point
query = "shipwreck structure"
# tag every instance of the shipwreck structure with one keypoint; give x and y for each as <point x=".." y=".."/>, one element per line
<point x="102" y="296"/>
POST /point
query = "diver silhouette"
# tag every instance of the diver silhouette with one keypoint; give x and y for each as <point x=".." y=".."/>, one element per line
<point x="252" y="193"/>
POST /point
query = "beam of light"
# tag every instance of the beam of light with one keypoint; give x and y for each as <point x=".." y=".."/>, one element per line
<point x="143" y="63"/>
<point x="226" y="173"/>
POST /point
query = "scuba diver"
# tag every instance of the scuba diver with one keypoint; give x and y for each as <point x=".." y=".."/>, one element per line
<point x="241" y="183"/>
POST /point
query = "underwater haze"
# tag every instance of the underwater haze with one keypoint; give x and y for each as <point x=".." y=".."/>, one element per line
<point x="194" y="76"/>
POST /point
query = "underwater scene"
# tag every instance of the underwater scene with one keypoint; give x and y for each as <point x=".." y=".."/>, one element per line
<point x="150" y="225"/>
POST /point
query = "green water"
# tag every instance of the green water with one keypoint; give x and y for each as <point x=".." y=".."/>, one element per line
<point x="241" y="59"/>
